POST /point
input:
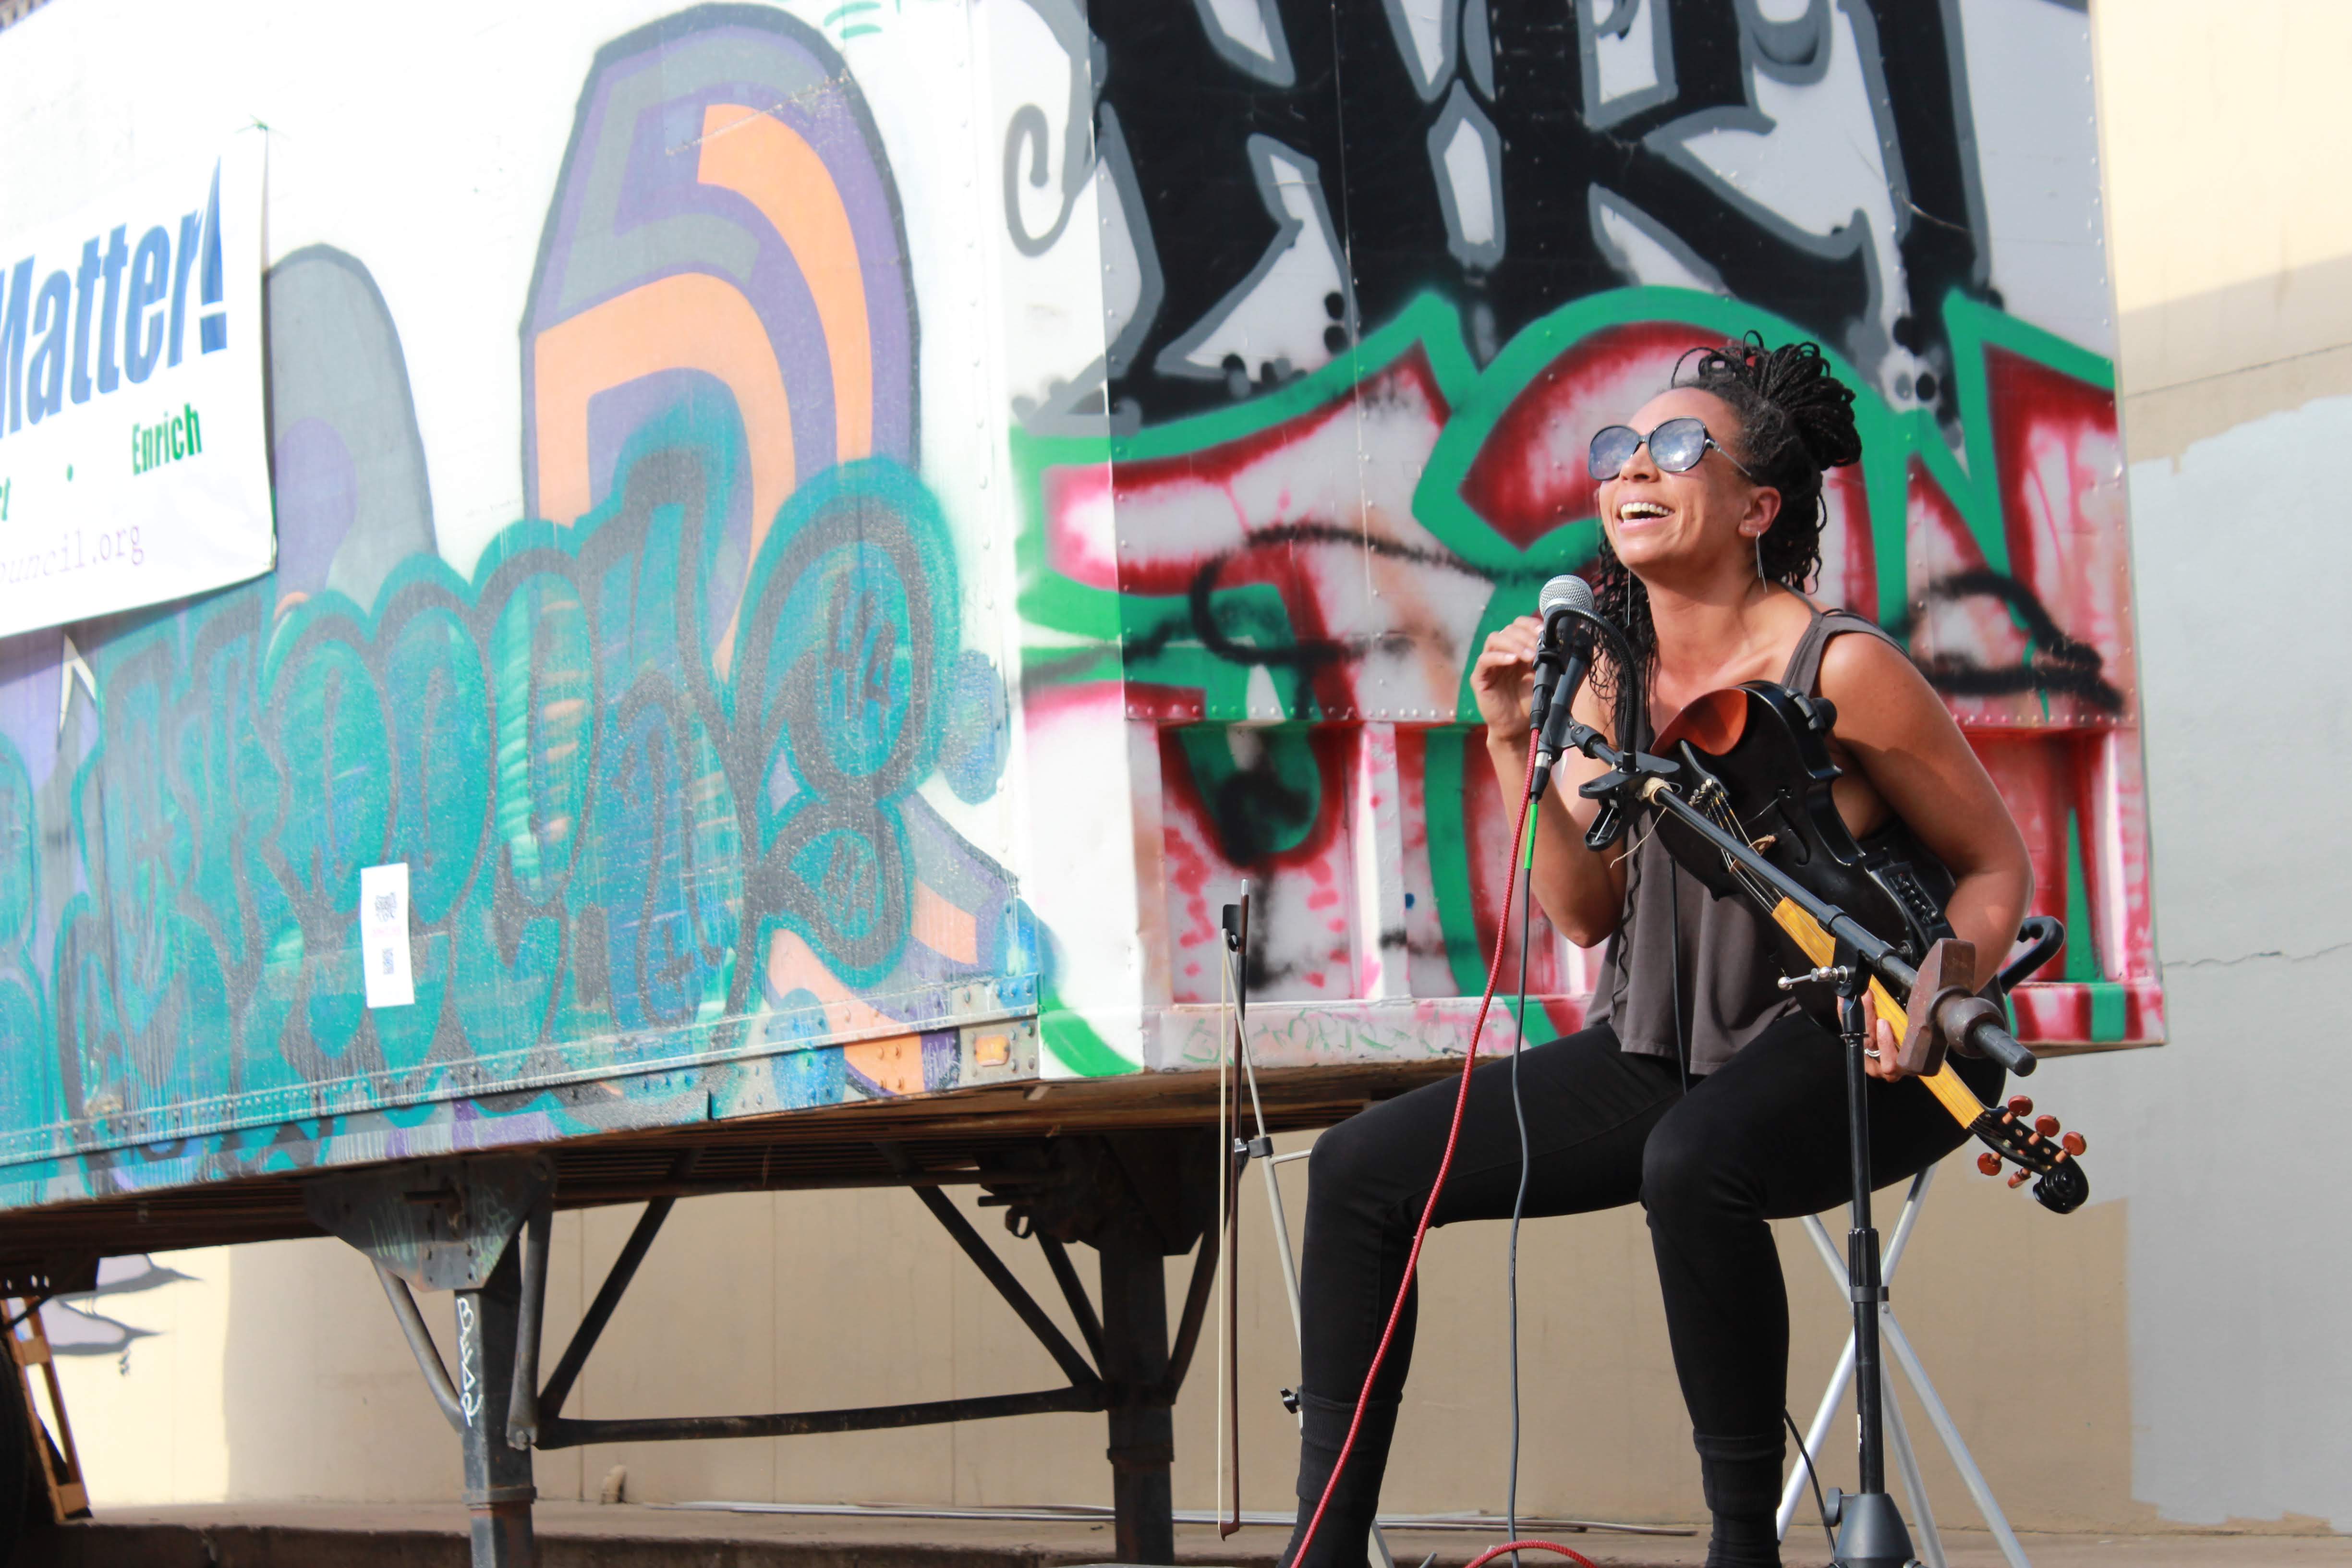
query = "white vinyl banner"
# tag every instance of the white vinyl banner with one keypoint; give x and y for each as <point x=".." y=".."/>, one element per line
<point x="133" y="450"/>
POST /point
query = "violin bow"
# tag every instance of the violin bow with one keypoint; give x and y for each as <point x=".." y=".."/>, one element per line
<point x="1231" y="1060"/>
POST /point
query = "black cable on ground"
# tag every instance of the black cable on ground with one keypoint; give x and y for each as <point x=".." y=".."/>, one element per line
<point x="1820" y="1501"/>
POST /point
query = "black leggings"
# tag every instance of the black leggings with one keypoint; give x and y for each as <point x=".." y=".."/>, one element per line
<point x="1762" y="1138"/>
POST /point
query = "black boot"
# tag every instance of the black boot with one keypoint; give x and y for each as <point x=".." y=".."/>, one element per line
<point x="1346" y="1527"/>
<point x="1742" y="1478"/>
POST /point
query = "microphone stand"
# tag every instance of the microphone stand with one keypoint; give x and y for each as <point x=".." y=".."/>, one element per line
<point x="1871" y="1532"/>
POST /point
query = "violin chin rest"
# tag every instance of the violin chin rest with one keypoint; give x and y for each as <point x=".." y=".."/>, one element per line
<point x="1713" y="723"/>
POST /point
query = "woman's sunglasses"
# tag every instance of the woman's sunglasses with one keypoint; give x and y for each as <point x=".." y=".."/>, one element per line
<point x="1675" y="447"/>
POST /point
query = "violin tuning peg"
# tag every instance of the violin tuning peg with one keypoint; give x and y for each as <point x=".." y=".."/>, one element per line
<point x="1988" y="1163"/>
<point x="2020" y="1179"/>
<point x="2074" y="1144"/>
<point x="2020" y="1106"/>
<point x="2046" y="1124"/>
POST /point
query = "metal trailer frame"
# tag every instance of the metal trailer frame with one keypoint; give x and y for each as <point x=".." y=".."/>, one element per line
<point x="1125" y="1166"/>
<point x="481" y="1228"/>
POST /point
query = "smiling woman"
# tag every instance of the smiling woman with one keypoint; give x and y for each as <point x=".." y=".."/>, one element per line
<point x="1794" y="420"/>
<point x="1698" y="1086"/>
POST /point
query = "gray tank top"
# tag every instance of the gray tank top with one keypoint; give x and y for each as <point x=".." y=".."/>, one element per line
<point x="1726" y="989"/>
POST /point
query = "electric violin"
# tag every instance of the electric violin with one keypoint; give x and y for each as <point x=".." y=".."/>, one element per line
<point x="1755" y="761"/>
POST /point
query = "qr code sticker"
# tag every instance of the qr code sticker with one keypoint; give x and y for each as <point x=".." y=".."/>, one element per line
<point x="387" y="905"/>
<point x="387" y="960"/>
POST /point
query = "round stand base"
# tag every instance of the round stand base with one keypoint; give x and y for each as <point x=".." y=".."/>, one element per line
<point x="1871" y="1532"/>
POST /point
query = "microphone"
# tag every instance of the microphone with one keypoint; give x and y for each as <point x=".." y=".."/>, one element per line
<point x="1573" y="603"/>
<point x="1561" y="599"/>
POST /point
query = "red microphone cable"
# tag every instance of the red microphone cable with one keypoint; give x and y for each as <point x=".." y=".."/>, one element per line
<point x="1445" y="1168"/>
<point x="1570" y="1554"/>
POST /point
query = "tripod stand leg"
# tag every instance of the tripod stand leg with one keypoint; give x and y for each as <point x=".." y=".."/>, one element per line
<point x="1793" y="1495"/>
<point x="1282" y="1240"/>
<point x="1923" y="1516"/>
<point x="1941" y="1420"/>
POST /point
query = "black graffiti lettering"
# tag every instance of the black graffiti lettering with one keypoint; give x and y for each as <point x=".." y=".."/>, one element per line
<point x="2059" y="664"/>
<point x="1306" y="657"/>
<point x="1358" y="107"/>
<point x="1251" y="809"/>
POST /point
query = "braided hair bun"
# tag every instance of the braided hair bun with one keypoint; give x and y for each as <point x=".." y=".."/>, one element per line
<point x="1796" y="420"/>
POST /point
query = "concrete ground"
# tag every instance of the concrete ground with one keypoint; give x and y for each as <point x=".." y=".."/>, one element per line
<point x="585" y="1535"/>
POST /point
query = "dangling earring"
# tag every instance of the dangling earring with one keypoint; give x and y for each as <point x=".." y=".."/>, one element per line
<point x="1759" y="556"/>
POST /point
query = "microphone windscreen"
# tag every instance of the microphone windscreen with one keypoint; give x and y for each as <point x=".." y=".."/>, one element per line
<point x="1567" y="592"/>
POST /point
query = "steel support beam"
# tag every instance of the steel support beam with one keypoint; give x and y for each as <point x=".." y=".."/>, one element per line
<point x="452" y="1224"/>
<point x="561" y="1433"/>
<point x="1016" y="1296"/>
<point x="1135" y="1364"/>
<point x="421" y="1346"/>
<point x="608" y="1297"/>
<point x="1196" y="1312"/>
<point x="482" y="1227"/>
<point x="1074" y="1293"/>
<point x="549" y="1428"/>
<point x="499" y="1490"/>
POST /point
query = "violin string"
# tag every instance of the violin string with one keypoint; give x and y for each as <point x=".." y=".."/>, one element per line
<point x="1719" y="810"/>
<point x="1714" y="801"/>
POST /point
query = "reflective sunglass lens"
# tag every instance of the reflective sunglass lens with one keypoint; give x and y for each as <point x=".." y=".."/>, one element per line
<point x="1678" y="445"/>
<point x="1612" y="449"/>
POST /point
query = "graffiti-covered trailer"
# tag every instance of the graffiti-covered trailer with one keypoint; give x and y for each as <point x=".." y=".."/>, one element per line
<point x="826" y="541"/>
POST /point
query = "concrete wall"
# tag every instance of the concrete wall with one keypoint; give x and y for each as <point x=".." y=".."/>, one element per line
<point x="741" y="1307"/>
<point x="2231" y="269"/>
<point x="2175" y="1348"/>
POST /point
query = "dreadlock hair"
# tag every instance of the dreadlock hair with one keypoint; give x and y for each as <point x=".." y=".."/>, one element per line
<point x="1796" y="419"/>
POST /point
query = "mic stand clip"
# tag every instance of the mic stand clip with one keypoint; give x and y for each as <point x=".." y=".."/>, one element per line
<point x="1632" y="777"/>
